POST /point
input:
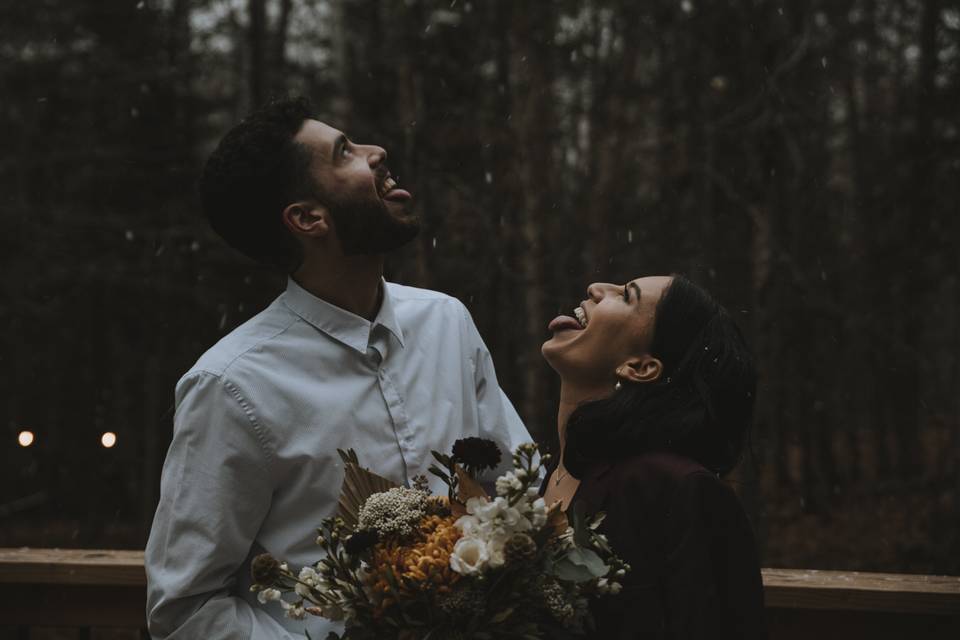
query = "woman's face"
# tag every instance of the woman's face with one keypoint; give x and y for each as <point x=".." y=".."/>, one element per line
<point x="611" y="330"/>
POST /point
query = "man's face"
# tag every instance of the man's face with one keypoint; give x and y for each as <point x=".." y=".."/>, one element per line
<point x="371" y="214"/>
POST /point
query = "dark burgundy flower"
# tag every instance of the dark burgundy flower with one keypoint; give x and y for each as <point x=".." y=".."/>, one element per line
<point x="265" y="570"/>
<point x="360" y="541"/>
<point x="476" y="454"/>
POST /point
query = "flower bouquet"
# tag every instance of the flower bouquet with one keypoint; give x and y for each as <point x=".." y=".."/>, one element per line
<point x="402" y="563"/>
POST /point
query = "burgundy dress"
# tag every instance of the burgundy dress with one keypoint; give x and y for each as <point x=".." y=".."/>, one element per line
<point x="695" y="572"/>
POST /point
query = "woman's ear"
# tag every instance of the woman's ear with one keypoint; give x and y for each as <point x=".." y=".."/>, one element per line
<point x="643" y="369"/>
<point x="307" y="219"/>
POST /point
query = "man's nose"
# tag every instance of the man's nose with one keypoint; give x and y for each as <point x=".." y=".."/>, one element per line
<point x="375" y="155"/>
<point x="598" y="290"/>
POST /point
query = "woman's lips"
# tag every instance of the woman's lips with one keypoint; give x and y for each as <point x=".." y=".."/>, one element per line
<point x="564" y="323"/>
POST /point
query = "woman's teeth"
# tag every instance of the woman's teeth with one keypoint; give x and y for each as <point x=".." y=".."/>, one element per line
<point x="388" y="184"/>
<point x="580" y="316"/>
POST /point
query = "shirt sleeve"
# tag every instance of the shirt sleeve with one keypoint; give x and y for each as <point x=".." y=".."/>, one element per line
<point x="713" y="582"/>
<point x="498" y="419"/>
<point x="215" y="492"/>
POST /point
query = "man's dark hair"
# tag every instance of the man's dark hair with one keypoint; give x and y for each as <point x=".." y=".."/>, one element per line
<point x="701" y="407"/>
<point x="252" y="175"/>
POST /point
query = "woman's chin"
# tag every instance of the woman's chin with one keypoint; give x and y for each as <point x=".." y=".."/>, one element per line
<point x="547" y="351"/>
<point x="552" y="351"/>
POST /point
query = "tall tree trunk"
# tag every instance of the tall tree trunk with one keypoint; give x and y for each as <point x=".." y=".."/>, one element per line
<point x="531" y="37"/>
<point x="278" y="46"/>
<point x="916" y="237"/>
<point x="257" y="40"/>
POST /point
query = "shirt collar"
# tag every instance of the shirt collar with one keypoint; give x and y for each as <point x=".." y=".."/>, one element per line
<point x="340" y="324"/>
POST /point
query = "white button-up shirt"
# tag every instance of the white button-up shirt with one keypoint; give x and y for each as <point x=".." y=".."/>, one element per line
<point x="253" y="465"/>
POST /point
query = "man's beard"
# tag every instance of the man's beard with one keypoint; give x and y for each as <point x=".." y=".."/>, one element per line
<point x="367" y="228"/>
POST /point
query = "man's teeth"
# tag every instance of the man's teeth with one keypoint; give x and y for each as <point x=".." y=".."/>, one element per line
<point x="388" y="184"/>
<point x="580" y="316"/>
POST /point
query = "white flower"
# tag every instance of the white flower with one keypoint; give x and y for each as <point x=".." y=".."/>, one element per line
<point x="469" y="525"/>
<point x="268" y="595"/>
<point x="508" y="482"/>
<point x="513" y="521"/>
<point x="295" y="611"/>
<point x="474" y="505"/>
<point x="396" y="511"/>
<point x="310" y="578"/>
<point x="539" y="515"/>
<point x="469" y="556"/>
<point x="487" y="511"/>
<point x="495" y="551"/>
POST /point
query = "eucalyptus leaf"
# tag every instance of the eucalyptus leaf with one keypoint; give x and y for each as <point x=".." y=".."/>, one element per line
<point x="581" y="530"/>
<point x="503" y="615"/>
<point x="580" y="565"/>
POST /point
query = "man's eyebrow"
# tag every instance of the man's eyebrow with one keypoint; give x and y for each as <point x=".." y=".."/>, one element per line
<point x="337" y="145"/>
<point x="635" y="288"/>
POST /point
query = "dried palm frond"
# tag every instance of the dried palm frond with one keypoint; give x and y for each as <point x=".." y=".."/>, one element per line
<point x="358" y="485"/>
<point x="467" y="488"/>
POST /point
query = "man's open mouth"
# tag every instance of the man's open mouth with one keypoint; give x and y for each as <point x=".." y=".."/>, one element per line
<point x="388" y="189"/>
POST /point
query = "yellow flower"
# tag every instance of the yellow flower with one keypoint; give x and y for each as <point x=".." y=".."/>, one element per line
<point x="422" y="564"/>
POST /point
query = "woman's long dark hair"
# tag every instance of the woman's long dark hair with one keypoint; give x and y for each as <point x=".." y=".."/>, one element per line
<point x="700" y="407"/>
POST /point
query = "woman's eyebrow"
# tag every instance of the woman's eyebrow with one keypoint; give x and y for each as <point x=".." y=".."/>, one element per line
<point x="636" y="289"/>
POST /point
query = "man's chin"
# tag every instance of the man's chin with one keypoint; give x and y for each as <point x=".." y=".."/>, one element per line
<point x="387" y="240"/>
<point x="400" y="211"/>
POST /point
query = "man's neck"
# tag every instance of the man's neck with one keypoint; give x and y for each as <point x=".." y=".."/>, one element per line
<point x="351" y="283"/>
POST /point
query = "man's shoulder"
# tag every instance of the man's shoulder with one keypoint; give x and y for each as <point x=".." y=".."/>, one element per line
<point x="229" y="351"/>
<point x="420" y="305"/>
<point x="405" y="293"/>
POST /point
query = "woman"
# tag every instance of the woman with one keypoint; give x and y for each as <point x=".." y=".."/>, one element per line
<point x="656" y="401"/>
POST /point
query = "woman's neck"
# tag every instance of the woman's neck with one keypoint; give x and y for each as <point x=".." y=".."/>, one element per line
<point x="571" y="397"/>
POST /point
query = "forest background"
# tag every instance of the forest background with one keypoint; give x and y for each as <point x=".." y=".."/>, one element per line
<point x="799" y="159"/>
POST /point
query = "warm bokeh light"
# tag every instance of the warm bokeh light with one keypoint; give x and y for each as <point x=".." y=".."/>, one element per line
<point x="108" y="439"/>
<point x="25" y="438"/>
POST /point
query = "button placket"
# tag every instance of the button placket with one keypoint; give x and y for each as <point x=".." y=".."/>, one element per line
<point x="391" y="393"/>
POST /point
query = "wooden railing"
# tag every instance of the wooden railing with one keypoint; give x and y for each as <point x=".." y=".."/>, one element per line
<point x="92" y="591"/>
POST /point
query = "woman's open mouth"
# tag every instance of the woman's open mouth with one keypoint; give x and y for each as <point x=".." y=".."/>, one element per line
<point x="567" y="323"/>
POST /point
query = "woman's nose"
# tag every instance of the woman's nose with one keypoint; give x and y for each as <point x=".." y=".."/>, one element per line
<point x="598" y="290"/>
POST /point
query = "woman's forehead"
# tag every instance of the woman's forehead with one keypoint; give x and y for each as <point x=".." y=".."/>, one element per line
<point x="652" y="285"/>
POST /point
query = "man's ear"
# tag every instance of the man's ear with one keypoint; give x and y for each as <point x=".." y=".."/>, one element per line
<point x="307" y="219"/>
<point x="646" y="368"/>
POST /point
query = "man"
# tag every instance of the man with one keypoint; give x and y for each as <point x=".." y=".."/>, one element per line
<point x="341" y="359"/>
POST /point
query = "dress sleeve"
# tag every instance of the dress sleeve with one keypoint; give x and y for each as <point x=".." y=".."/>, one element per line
<point x="498" y="419"/>
<point x="215" y="492"/>
<point x="713" y="586"/>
